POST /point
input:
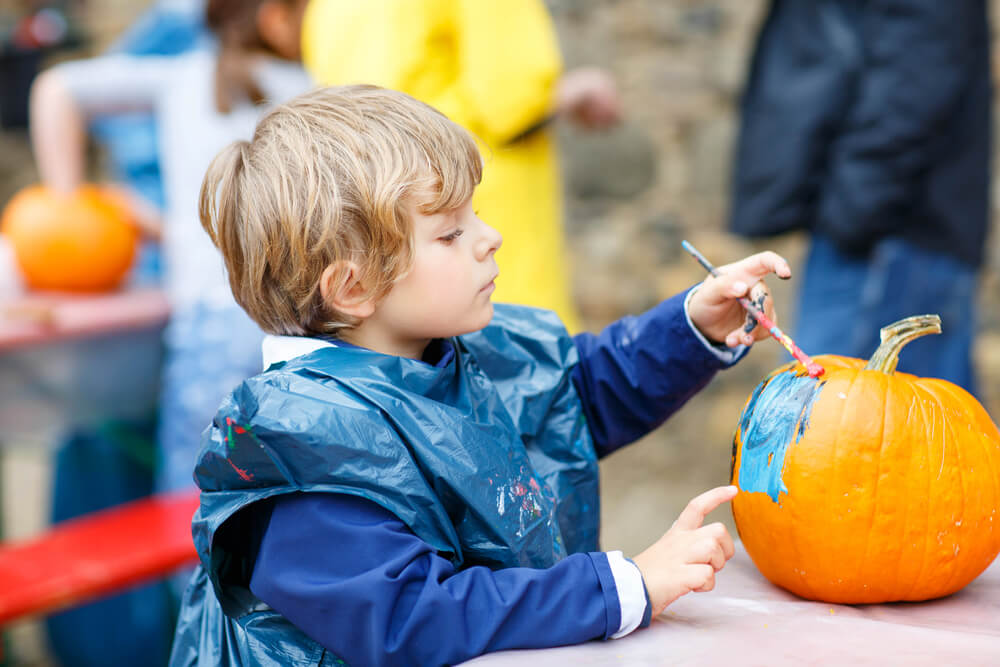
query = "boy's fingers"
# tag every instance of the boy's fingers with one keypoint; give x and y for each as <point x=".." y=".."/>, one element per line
<point x="759" y="294"/>
<point x="763" y="263"/>
<point x="752" y="331"/>
<point x="720" y="535"/>
<point x="694" y="514"/>
<point x="703" y="578"/>
<point x="726" y="286"/>
<point x="718" y="558"/>
<point x="728" y="547"/>
<point x="741" y="337"/>
<point x="714" y="546"/>
<point x="734" y="286"/>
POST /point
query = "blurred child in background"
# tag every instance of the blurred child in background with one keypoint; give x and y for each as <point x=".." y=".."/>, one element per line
<point x="200" y="100"/>
<point x="111" y="460"/>
<point x="203" y="99"/>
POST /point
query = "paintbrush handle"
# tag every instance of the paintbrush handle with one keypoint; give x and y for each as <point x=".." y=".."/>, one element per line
<point x="814" y="369"/>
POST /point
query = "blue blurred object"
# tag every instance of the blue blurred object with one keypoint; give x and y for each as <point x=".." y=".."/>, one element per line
<point x="210" y="350"/>
<point x="96" y="469"/>
<point x="898" y="280"/>
<point x="113" y="462"/>
<point x="168" y="28"/>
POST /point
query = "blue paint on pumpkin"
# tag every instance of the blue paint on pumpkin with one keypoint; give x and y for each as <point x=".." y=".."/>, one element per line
<point x="776" y="415"/>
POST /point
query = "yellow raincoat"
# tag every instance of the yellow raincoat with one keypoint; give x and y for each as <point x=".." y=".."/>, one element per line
<point x="492" y="67"/>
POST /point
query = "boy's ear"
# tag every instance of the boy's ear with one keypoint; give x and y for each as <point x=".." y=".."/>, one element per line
<point x="342" y="290"/>
<point x="279" y="24"/>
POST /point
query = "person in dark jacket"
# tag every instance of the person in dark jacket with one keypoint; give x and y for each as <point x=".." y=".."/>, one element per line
<point x="867" y="122"/>
<point x="413" y="478"/>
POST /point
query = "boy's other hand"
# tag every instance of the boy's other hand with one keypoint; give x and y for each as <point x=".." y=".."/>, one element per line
<point x="715" y="308"/>
<point x="688" y="555"/>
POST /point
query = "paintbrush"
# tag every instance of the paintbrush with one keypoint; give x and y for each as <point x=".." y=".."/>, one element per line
<point x="814" y="369"/>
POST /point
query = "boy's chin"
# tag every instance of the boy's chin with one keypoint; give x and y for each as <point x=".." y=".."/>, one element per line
<point x="487" y="316"/>
<point x="480" y="322"/>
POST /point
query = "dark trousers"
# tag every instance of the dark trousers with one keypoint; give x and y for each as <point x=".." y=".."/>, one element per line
<point x="845" y="300"/>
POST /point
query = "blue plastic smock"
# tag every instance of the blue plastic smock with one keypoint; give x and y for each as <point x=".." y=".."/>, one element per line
<point x="488" y="459"/>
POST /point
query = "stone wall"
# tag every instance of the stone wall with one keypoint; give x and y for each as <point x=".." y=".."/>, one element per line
<point x="634" y="193"/>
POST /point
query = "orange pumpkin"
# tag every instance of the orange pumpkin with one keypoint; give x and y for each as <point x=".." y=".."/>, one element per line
<point x="83" y="242"/>
<point x="866" y="485"/>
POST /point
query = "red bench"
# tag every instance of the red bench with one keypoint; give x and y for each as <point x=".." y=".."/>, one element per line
<point x="99" y="553"/>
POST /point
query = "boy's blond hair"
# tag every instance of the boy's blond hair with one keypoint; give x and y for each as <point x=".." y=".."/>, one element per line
<point x="328" y="177"/>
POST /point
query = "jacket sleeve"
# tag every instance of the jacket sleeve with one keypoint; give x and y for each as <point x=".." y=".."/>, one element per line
<point x="353" y="577"/>
<point x="920" y="56"/>
<point x="640" y="370"/>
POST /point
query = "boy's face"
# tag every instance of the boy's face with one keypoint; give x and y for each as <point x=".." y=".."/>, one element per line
<point x="448" y="288"/>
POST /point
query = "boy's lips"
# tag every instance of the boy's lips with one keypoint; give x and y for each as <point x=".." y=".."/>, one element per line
<point x="491" y="285"/>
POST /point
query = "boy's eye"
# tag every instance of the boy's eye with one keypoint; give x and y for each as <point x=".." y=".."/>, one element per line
<point x="448" y="238"/>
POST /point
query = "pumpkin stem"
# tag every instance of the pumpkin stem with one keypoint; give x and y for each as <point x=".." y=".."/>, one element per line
<point x="898" y="334"/>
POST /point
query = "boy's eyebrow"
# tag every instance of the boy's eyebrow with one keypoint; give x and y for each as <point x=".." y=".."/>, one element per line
<point x="445" y="219"/>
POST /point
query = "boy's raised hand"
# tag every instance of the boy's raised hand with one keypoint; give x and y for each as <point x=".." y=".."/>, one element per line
<point x="688" y="555"/>
<point x="715" y="308"/>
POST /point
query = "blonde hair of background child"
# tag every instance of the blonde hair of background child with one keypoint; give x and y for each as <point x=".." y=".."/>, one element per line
<point x="327" y="177"/>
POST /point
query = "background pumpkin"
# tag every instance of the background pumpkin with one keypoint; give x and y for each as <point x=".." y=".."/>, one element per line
<point x="865" y="485"/>
<point x="82" y="242"/>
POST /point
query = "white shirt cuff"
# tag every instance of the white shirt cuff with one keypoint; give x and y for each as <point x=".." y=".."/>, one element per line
<point x="631" y="592"/>
<point x="726" y="355"/>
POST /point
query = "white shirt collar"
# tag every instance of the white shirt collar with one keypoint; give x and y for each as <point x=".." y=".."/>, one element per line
<point x="275" y="349"/>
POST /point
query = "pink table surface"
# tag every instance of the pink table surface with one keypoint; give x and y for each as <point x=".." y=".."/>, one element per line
<point x="747" y="621"/>
<point x="70" y="361"/>
<point x="55" y="349"/>
<point x="34" y="318"/>
<point x="29" y="318"/>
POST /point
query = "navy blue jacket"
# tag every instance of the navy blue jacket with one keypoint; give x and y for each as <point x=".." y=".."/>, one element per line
<point x="865" y="119"/>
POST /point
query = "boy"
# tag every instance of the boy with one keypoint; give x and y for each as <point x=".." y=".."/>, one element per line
<point x="413" y="479"/>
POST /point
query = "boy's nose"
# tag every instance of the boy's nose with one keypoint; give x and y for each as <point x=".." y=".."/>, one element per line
<point x="490" y="242"/>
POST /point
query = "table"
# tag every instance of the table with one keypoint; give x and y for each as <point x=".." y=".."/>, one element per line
<point x="28" y="319"/>
<point x="746" y="621"/>
<point x="55" y="350"/>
